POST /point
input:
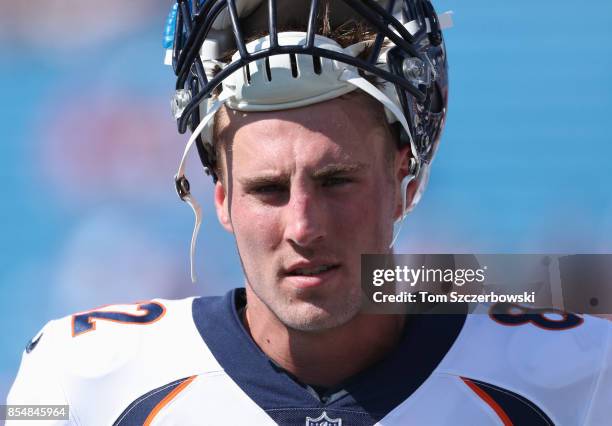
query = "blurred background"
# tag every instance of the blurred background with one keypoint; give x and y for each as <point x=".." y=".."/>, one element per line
<point x="89" y="149"/>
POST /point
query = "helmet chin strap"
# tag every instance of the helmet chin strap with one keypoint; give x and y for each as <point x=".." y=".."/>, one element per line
<point x="182" y="184"/>
<point x="197" y="211"/>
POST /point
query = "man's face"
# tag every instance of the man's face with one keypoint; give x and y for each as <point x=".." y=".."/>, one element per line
<point x="307" y="191"/>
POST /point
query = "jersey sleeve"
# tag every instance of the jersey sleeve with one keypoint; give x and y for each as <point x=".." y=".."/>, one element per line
<point x="38" y="380"/>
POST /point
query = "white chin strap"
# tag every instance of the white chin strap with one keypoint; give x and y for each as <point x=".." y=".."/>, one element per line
<point x="180" y="179"/>
<point x="271" y="84"/>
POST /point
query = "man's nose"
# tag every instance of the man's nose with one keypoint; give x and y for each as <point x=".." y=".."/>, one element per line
<point x="304" y="219"/>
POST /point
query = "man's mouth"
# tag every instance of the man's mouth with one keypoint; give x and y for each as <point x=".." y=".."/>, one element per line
<point x="306" y="271"/>
<point x="311" y="273"/>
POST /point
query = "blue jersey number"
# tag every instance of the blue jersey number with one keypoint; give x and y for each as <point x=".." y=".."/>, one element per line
<point x="149" y="312"/>
<point x="512" y="315"/>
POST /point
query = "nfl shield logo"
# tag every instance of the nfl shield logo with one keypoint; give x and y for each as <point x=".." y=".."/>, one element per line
<point x="323" y="420"/>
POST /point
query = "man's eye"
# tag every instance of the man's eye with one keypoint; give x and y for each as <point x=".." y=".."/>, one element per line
<point x="268" y="189"/>
<point x="337" y="181"/>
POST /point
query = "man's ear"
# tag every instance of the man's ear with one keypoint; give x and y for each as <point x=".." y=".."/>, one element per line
<point x="222" y="207"/>
<point x="402" y="169"/>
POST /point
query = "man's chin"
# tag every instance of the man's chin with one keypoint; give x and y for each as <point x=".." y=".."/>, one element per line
<point x="311" y="318"/>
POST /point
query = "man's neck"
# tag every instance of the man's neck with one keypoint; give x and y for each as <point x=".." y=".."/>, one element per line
<point x="327" y="357"/>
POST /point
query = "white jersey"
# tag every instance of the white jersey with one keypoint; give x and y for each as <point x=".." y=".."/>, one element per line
<point x="191" y="362"/>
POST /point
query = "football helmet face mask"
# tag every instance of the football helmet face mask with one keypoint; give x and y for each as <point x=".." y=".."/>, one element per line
<point x="404" y="52"/>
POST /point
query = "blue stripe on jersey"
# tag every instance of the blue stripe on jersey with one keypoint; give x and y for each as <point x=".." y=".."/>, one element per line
<point x="138" y="411"/>
<point x="519" y="409"/>
<point x="367" y="397"/>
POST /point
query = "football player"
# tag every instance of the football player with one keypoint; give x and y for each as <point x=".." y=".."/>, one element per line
<point x="318" y="121"/>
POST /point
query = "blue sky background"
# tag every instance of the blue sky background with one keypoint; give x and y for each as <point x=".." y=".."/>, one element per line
<point x="89" y="150"/>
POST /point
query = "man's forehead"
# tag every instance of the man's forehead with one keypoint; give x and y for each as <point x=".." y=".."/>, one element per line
<point x="307" y="128"/>
<point x="342" y="135"/>
<point x="355" y="109"/>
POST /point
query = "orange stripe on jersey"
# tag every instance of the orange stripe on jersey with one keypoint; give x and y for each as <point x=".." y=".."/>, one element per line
<point x="161" y="404"/>
<point x="490" y="401"/>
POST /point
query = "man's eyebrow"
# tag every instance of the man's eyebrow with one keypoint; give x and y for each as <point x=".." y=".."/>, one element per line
<point x="255" y="181"/>
<point x="338" y="168"/>
<point x="322" y="173"/>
